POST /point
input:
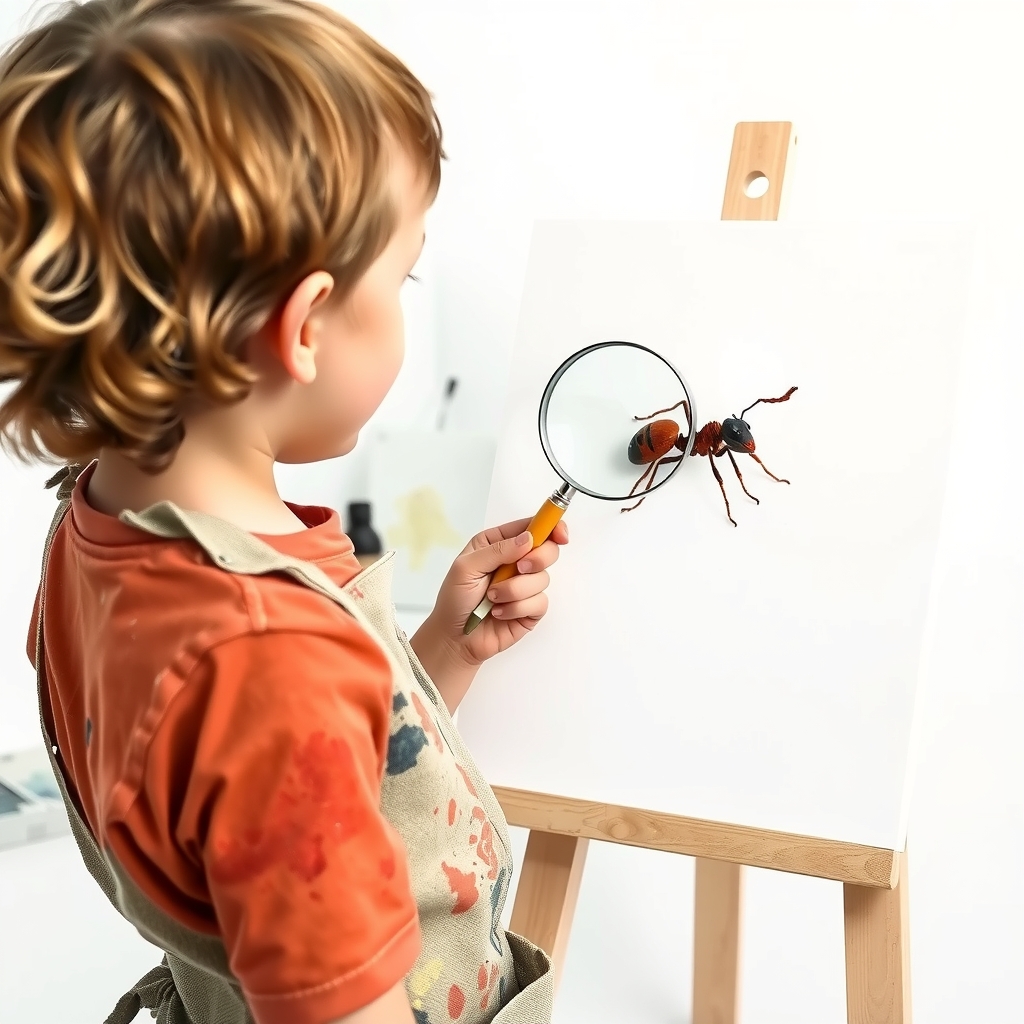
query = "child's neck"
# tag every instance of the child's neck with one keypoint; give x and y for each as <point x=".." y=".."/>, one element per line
<point x="240" y="489"/>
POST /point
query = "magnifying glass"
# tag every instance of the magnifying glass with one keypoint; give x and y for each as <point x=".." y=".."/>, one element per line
<point x="592" y="407"/>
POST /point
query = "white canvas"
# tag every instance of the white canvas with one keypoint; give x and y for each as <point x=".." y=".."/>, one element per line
<point x="766" y="674"/>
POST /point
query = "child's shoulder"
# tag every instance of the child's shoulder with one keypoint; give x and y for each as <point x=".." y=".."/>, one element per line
<point x="125" y="586"/>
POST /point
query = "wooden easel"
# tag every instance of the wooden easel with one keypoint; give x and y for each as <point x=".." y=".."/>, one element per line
<point x="874" y="880"/>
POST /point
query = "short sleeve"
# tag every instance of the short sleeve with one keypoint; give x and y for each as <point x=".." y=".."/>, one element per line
<point x="281" y="814"/>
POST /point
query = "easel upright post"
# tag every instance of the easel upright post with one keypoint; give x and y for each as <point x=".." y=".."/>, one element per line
<point x="548" y="890"/>
<point x="878" y="950"/>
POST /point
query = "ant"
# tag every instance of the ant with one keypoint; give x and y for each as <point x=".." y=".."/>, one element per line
<point x="650" y="446"/>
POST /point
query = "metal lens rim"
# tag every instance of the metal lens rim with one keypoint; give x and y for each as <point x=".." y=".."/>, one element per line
<point x="542" y="419"/>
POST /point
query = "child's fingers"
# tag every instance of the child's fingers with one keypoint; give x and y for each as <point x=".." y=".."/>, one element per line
<point x="507" y="531"/>
<point x="532" y="608"/>
<point x="519" y="588"/>
<point x="542" y="557"/>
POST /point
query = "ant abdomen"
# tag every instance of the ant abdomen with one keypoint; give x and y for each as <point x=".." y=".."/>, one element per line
<point x="652" y="442"/>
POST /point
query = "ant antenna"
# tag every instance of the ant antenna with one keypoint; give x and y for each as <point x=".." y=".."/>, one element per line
<point x="770" y="401"/>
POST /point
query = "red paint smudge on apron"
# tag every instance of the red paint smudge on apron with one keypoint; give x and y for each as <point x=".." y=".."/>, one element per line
<point x="463" y="886"/>
<point x="317" y="804"/>
<point x="427" y="721"/>
<point x="456" y="1002"/>
<point x="477" y="814"/>
<point x="483" y="980"/>
<point x="451" y="812"/>
<point x="465" y="779"/>
<point x="485" y="850"/>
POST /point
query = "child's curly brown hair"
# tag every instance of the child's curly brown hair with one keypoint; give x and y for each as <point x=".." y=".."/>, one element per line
<point x="169" y="171"/>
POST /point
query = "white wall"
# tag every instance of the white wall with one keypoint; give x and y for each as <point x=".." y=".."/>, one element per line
<point x="626" y="109"/>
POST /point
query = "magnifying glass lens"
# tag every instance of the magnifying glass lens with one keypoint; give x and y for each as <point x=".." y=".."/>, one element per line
<point x="591" y="411"/>
<point x="594" y="405"/>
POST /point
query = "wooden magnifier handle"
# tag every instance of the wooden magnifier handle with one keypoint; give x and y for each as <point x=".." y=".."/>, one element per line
<point x="540" y="528"/>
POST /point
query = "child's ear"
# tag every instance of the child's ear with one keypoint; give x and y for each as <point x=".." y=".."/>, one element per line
<point x="290" y="334"/>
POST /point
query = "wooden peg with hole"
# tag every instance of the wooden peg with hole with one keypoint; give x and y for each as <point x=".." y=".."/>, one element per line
<point x="757" y="170"/>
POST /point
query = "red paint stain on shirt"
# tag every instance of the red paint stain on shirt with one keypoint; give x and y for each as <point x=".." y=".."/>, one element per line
<point x="315" y="805"/>
<point x="456" y="1002"/>
<point x="451" y="812"/>
<point x="465" y="779"/>
<point x="463" y="886"/>
<point x="427" y="721"/>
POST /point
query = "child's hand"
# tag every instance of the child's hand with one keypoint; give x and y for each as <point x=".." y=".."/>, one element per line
<point x="519" y="604"/>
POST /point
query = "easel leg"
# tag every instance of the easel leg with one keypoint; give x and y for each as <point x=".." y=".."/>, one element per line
<point x="716" y="942"/>
<point x="548" y="888"/>
<point x="878" y="952"/>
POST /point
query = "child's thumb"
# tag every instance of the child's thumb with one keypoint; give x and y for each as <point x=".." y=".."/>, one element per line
<point x="503" y="552"/>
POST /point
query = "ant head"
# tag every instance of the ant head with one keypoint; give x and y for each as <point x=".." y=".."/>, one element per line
<point x="736" y="435"/>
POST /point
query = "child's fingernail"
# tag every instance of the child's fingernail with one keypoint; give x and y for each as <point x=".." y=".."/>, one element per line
<point x="523" y="537"/>
<point x="525" y="565"/>
<point x="492" y="595"/>
<point x="497" y="612"/>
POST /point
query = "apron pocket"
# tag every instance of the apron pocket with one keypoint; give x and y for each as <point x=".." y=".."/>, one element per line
<point x="534" y="973"/>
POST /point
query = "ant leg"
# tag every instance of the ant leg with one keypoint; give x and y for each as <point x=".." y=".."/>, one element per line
<point x="637" y="505"/>
<point x="684" y="403"/>
<point x="651" y="470"/>
<point x="766" y="469"/>
<point x="739" y="476"/>
<point x="647" y="472"/>
<point x="664" y="460"/>
<point x="721" y="483"/>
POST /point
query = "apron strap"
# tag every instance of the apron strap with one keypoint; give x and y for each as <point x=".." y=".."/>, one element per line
<point x="66" y="477"/>
<point x="154" y="991"/>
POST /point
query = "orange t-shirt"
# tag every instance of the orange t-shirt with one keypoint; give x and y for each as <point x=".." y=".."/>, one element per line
<point x="226" y="737"/>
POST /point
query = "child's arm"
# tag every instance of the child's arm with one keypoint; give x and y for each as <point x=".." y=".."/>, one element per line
<point x="259" y="815"/>
<point x="392" y="1008"/>
<point x="451" y="658"/>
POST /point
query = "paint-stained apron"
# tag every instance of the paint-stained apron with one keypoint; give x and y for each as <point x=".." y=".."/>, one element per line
<point x="470" y="969"/>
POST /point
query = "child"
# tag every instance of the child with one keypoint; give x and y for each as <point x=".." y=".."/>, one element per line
<point x="207" y="211"/>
